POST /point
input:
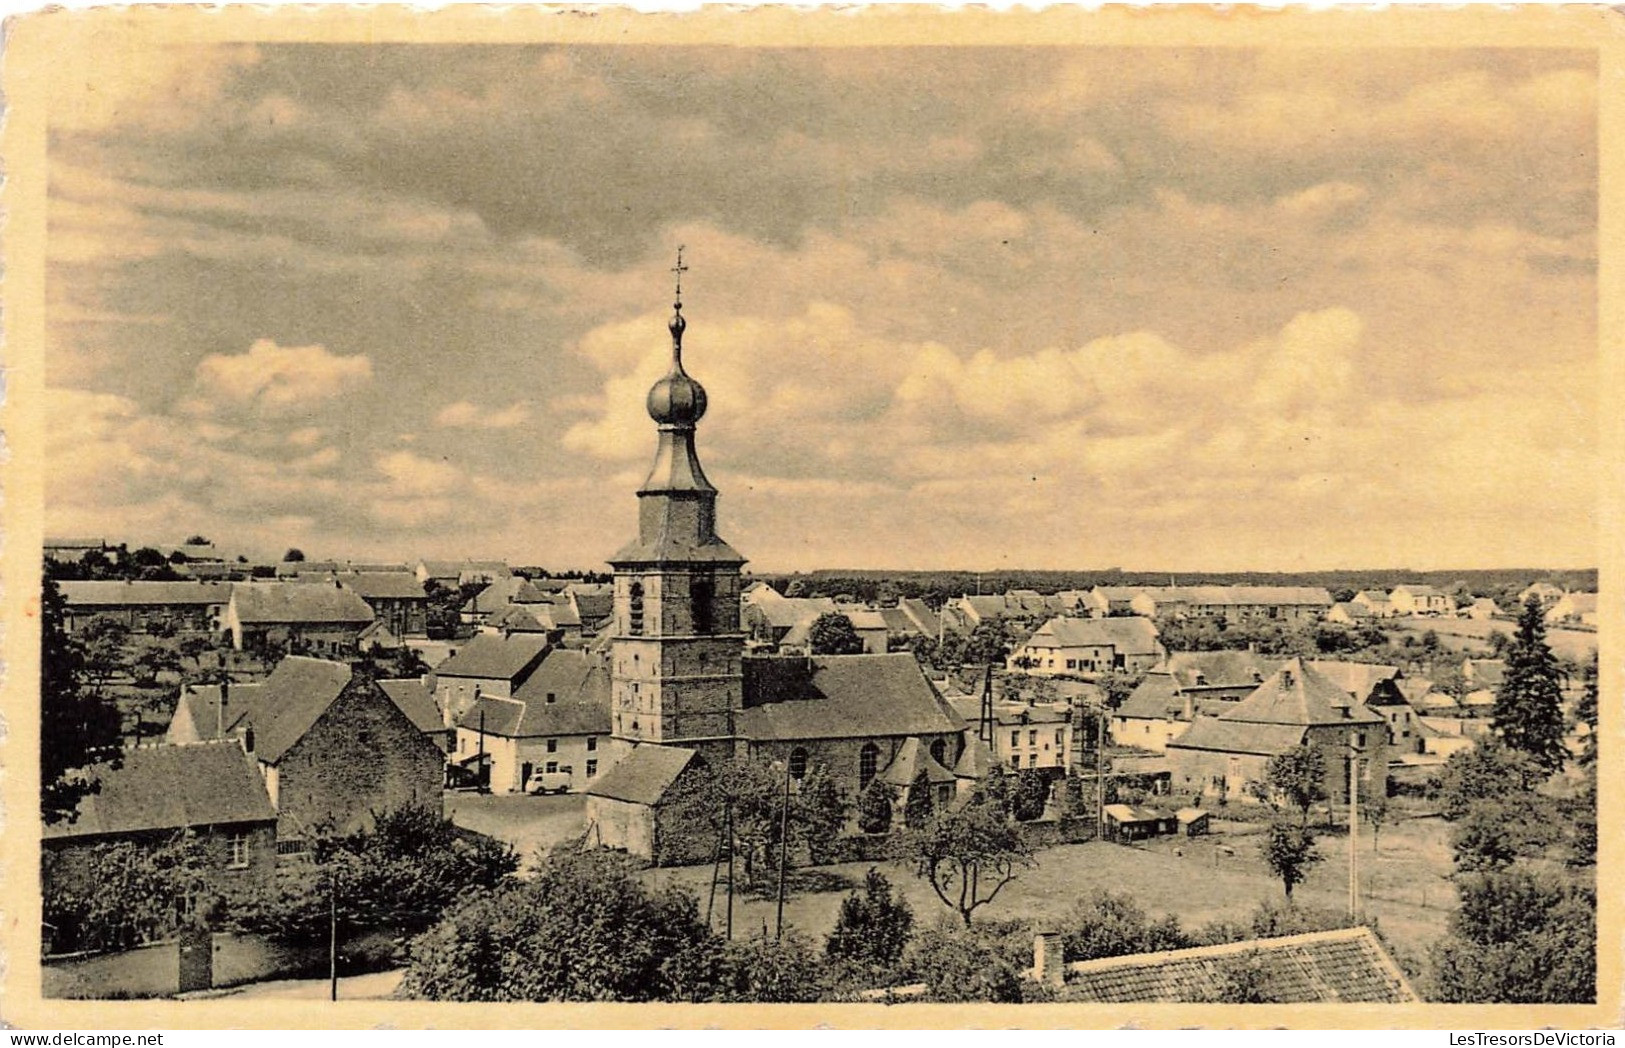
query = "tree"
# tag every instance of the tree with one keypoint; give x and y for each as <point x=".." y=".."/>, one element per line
<point x="917" y="803"/>
<point x="1298" y="776"/>
<point x="1111" y="924"/>
<point x="873" y="928"/>
<point x="1376" y="810"/>
<point x="119" y="895"/>
<point x="832" y="634"/>
<point x="964" y="963"/>
<point x="1520" y="937"/>
<point x="103" y="648"/>
<point x="875" y="807"/>
<point x="818" y="813"/>
<point x="1030" y="795"/>
<point x="1585" y="714"/>
<point x="1289" y="851"/>
<point x="988" y="643"/>
<point x="1116" y="686"/>
<point x="78" y="726"/>
<point x="1528" y="714"/>
<point x="583" y="928"/>
<point x="968" y="856"/>
<point x="147" y="557"/>
<point x="785" y="970"/>
<point x="293" y="556"/>
<point x="1485" y="772"/>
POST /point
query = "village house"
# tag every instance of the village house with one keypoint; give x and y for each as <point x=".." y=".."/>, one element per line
<point x="211" y="792"/>
<point x="72" y="551"/>
<point x="332" y="746"/>
<point x="964" y="614"/>
<point x="592" y="602"/>
<point x="1181" y="687"/>
<point x="501" y="594"/>
<point x="869" y="624"/>
<point x="141" y="607"/>
<point x="489" y="665"/>
<point x="1573" y="609"/>
<point x="415" y="699"/>
<point x="1545" y="592"/>
<point x="1222" y="755"/>
<point x="1104" y="601"/>
<point x="1420" y="599"/>
<point x="1233" y="603"/>
<point x="397" y="599"/>
<point x="922" y="621"/>
<point x="556" y="722"/>
<point x="768" y="615"/>
<point x="1069" y="646"/>
<point x="319" y="618"/>
<point x="1023" y="736"/>
<point x="450" y="574"/>
<point x="1349" y="613"/>
<point x="1377" y="602"/>
<point x="1481" y="609"/>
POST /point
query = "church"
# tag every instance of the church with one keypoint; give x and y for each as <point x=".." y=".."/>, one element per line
<point x="685" y="696"/>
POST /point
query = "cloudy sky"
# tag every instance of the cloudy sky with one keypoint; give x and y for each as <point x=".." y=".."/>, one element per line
<point x="957" y="307"/>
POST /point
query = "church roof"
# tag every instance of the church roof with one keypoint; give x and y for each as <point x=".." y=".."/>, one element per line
<point x="912" y="761"/>
<point x="840" y="697"/>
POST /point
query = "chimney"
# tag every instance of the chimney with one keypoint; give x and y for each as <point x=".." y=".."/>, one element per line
<point x="1190" y="705"/>
<point x="220" y="711"/>
<point x="1286" y="679"/>
<point x="1049" y="959"/>
<point x="248" y="740"/>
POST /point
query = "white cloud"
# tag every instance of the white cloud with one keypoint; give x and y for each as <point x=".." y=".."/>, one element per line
<point x="277" y="378"/>
<point x="412" y="474"/>
<point x="464" y="414"/>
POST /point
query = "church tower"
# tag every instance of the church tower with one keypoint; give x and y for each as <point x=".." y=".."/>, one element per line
<point x="677" y="643"/>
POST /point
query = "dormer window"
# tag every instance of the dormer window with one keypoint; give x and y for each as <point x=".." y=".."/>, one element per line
<point x="551" y="698"/>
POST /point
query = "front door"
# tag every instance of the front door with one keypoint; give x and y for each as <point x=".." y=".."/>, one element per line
<point x="524" y="775"/>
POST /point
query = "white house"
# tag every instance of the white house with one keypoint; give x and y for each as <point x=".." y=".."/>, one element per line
<point x="557" y="721"/>
<point x="1376" y="602"/>
<point x="1573" y="609"/>
<point x="1421" y="599"/>
<point x="1068" y="646"/>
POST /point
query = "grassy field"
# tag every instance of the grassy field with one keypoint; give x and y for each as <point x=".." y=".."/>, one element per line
<point x="531" y="824"/>
<point x="1199" y="879"/>
<point x="1473" y="634"/>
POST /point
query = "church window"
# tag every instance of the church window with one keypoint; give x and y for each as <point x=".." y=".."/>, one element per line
<point x="634" y="607"/>
<point x="702" y="595"/>
<point x="868" y="759"/>
<point x="798" y="763"/>
<point x="939" y="751"/>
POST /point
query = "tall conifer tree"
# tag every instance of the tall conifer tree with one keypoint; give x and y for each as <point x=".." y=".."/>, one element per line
<point x="1528" y="706"/>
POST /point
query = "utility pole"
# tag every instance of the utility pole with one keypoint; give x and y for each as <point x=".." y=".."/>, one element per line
<point x="480" y="777"/>
<point x="1354" y="829"/>
<point x="784" y="850"/>
<point x="729" y="814"/>
<point x="1100" y="771"/>
<point x="332" y="931"/>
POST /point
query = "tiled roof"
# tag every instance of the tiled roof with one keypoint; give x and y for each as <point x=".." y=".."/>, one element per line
<point x="384" y="585"/>
<point x="169" y="787"/>
<point x="1348" y="965"/>
<point x="1420" y="589"/>
<point x="104" y="593"/>
<point x="1192" y="668"/>
<point x="1224" y="736"/>
<point x="841" y="697"/>
<point x="1352" y="610"/>
<point x="1359" y="679"/>
<point x="1241" y="596"/>
<point x="1132" y="635"/>
<point x="782" y="612"/>
<point x="913" y="760"/>
<point x="491" y="656"/>
<point x="415" y="700"/>
<point x="920" y="613"/>
<point x="642" y="776"/>
<point x="281" y="602"/>
<point x="1299" y="696"/>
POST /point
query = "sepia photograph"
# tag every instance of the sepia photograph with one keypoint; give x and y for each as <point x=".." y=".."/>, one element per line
<point x="1077" y="511"/>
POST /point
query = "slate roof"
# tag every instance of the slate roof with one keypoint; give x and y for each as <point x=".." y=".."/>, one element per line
<point x="509" y="589"/>
<point x="1348" y="965"/>
<point x="1225" y="736"/>
<point x="520" y="618"/>
<point x="109" y="593"/>
<point x="841" y="697"/>
<point x="491" y="656"/>
<point x="976" y="759"/>
<point x="1192" y="668"/>
<point x="167" y="787"/>
<point x="383" y="585"/>
<point x="920" y="613"/>
<point x="1131" y="635"/>
<point x="280" y="602"/>
<point x="1359" y="679"/>
<point x="199" y="705"/>
<point x="897" y="620"/>
<point x="782" y="612"/>
<point x="1301" y="697"/>
<point x="591" y="601"/>
<point x="290" y="701"/>
<point x="580" y="685"/>
<point x="642" y="776"/>
<point x="969" y="709"/>
<point x="913" y="760"/>
<point x="416" y="701"/>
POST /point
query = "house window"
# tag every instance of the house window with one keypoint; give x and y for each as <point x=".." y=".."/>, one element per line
<point x="1032" y="737"/>
<point x="237" y="851"/>
<point x="868" y="758"/>
<point x="592" y="768"/>
<point x="292" y="846"/>
<point x="1060" y="736"/>
<point x="1032" y="760"/>
<point x="592" y="743"/>
<point x="1015" y="760"/>
<point x="552" y="767"/>
<point x="1015" y="739"/>
<point x="552" y="745"/>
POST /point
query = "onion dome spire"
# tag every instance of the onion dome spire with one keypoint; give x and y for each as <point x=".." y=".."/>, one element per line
<point x="677" y="400"/>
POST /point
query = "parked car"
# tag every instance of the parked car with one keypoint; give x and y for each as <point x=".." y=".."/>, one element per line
<point x="550" y="782"/>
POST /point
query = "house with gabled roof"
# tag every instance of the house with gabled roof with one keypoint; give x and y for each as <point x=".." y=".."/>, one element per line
<point x="1415" y="598"/>
<point x="1067" y="646"/>
<point x="1377" y="602"/>
<point x="1296" y="706"/>
<point x="415" y="699"/>
<point x="318" y="617"/>
<point x="489" y="664"/>
<point x="556" y="722"/>
<point x="397" y="599"/>
<point x="1181" y="687"/>
<point x="1573" y="609"/>
<point x="192" y="606"/>
<point x="1025" y="735"/>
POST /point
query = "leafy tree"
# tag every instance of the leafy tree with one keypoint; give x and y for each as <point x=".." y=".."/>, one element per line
<point x="981" y="963"/>
<point x="583" y="928"/>
<point x="119" y="895"/>
<point x="1494" y="832"/>
<point x="1585" y="714"/>
<point x="873" y="928"/>
<point x="196" y="540"/>
<point x="293" y="556"/>
<point x="917" y="803"/>
<point x="1297" y="776"/>
<point x="154" y="661"/>
<point x="1289" y="851"/>
<point x="194" y="648"/>
<point x="968" y="855"/>
<point x="1116" y="686"/>
<point x="875" y="807"/>
<point x="1111" y="924"/>
<point x="147" y="557"/>
<point x="786" y="970"/>
<point x="818" y="813"/>
<point x="1528" y="714"/>
<point x="832" y="634"/>
<point x="1485" y="772"/>
<point x="1377" y="812"/>
<point x="78" y="726"/>
<point x="1030" y="795"/>
<point x="1244" y="980"/>
<point x="1520" y="937"/>
<point x="103" y="644"/>
<point x="1273" y="920"/>
<point x="988" y="643"/>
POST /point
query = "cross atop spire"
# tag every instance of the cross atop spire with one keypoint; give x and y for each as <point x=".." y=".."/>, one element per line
<point x="679" y="269"/>
<point x="678" y="324"/>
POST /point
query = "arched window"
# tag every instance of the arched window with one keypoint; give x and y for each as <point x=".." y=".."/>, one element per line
<point x="868" y="759"/>
<point x="939" y="752"/>
<point x="798" y="763"/>
<point x="634" y="608"/>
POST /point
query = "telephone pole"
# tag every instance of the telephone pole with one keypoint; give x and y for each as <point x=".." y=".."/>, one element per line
<point x="1354" y="829"/>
